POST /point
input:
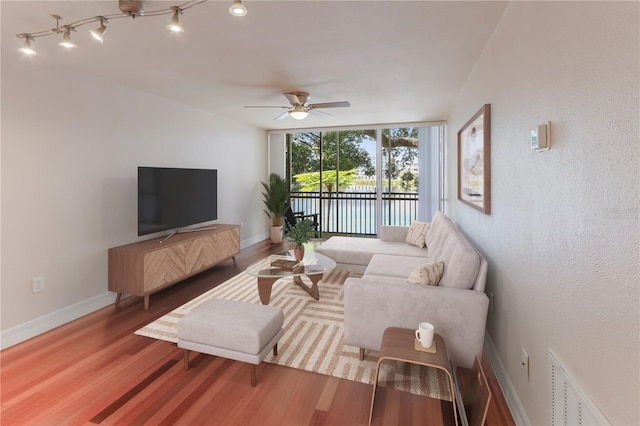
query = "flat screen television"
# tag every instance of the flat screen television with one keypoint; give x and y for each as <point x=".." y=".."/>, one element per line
<point x="171" y="198"/>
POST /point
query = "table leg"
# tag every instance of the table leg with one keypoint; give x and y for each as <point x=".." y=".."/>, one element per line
<point x="313" y="289"/>
<point x="375" y="386"/>
<point x="264" y="288"/>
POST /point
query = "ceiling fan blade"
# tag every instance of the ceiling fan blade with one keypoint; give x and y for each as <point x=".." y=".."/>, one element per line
<point x="319" y="113"/>
<point x="342" y="104"/>
<point x="265" y="106"/>
<point x="282" y="116"/>
<point x="293" y="98"/>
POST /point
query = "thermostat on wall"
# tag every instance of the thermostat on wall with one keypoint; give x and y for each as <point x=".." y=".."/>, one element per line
<point x="541" y="137"/>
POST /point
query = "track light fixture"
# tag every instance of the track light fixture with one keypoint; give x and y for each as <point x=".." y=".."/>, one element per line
<point x="129" y="9"/>
<point x="98" y="33"/>
<point x="237" y="8"/>
<point x="174" y="25"/>
<point x="66" y="38"/>
<point x="26" y="48"/>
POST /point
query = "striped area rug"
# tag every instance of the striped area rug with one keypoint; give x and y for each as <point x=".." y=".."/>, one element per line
<point x="313" y="338"/>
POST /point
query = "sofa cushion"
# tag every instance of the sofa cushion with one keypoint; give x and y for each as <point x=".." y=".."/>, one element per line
<point x="440" y="226"/>
<point x="386" y="265"/>
<point x="427" y="274"/>
<point x="359" y="251"/>
<point x="417" y="232"/>
<point x="461" y="259"/>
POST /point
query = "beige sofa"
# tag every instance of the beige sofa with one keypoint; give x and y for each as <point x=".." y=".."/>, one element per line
<point x="383" y="298"/>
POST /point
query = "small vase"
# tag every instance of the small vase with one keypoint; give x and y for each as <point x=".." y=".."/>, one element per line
<point x="298" y="252"/>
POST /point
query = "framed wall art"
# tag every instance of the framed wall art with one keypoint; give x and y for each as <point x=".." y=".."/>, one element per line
<point x="474" y="161"/>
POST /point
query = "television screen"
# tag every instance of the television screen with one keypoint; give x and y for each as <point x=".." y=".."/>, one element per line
<point x="170" y="198"/>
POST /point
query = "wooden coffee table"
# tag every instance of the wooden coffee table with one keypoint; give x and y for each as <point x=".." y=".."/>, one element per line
<point x="398" y="345"/>
<point x="313" y="266"/>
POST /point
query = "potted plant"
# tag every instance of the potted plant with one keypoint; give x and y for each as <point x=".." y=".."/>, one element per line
<point x="276" y="195"/>
<point x="299" y="234"/>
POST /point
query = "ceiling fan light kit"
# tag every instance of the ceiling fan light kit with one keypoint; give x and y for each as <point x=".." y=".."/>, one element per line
<point x="300" y="108"/>
<point x="129" y="9"/>
<point x="298" y="112"/>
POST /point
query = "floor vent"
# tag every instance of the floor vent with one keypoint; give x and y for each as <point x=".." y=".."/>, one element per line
<point x="569" y="405"/>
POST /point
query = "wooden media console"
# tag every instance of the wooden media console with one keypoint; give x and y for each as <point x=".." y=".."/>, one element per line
<point x="146" y="267"/>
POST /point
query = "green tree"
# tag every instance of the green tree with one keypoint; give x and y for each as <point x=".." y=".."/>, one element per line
<point x="407" y="180"/>
<point x="310" y="181"/>
<point x="305" y="155"/>
<point x="400" y="148"/>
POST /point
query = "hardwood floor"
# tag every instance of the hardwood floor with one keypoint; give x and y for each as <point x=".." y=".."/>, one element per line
<point x="96" y="371"/>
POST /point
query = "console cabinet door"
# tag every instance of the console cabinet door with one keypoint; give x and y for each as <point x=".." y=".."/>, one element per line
<point x="164" y="266"/>
<point x="228" y="243"/>
<point x="201" y="253"/>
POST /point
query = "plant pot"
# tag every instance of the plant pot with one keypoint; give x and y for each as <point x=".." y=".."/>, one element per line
<point x="275" y="233"/>
<point x="298" y="252"/>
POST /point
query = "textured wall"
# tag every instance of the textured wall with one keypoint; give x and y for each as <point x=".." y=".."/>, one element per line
<point x="563" y="236"/>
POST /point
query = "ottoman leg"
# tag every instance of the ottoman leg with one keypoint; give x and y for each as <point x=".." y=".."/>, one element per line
<point x="186" y="359"/>
<point x="253" y="375"/>
<point x="275" y="350"/>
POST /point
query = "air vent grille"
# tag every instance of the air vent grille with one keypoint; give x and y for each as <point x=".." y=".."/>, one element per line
<point x="569" y="405"/>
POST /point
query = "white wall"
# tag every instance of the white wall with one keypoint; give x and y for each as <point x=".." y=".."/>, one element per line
<point x="71" y="145"/>
<point x="563" y="236"/>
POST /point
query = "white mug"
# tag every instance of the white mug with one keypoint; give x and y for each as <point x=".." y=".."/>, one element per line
<point x="424" y="334"/>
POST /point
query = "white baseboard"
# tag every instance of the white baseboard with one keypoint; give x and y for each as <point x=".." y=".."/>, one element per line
<point x="509" y="392"/>
<point x="254" y="240"/>
<point x="29" y="329"/>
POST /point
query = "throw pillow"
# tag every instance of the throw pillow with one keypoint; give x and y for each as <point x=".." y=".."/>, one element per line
<point x="417" y="232"/>
<point x="427" y="274"/>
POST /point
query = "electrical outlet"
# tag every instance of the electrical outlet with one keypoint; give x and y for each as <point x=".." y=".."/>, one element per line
<point x="37" y="285"/>
<point x="524" y="360"/>
<point x="492" y="303"/>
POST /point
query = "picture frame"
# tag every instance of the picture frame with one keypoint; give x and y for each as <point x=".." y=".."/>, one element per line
<point x="474" y="161"/>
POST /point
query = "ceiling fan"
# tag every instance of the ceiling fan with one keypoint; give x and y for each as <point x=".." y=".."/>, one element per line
<point x="300" y="108"/>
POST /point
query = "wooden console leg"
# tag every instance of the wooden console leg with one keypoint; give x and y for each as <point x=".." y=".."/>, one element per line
<point x="118" y="297"/>
<point x="361" y="354"/>
<point x="186" y="359"/>
<point x="275" y="350"/>
<point x="253" y="375"/>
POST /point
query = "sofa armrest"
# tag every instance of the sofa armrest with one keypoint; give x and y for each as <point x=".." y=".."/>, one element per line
<point x="371" y="304"/>
<point x="396" y="234"/>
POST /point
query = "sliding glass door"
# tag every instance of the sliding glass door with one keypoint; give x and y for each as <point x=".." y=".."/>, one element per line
<point x="357" y="180"/>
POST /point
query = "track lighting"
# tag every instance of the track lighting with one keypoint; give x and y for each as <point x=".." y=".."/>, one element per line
<point x="299" y="112"/>
<point x="237" y="8"/>
<point x="128" y="8"/>
<point x="66" y="38"/>
<point x="98" y="33"/>
<point x="175" y="21"/>
<point x="26" y="48"/>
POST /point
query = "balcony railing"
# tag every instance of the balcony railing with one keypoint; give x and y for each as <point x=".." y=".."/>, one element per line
<point x="354" y="213"/>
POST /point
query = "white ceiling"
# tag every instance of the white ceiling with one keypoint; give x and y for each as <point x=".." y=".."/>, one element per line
<point x="395" y="61"/>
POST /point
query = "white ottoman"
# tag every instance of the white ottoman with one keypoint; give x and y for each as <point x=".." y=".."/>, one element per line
<point x="235" y="330"/>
